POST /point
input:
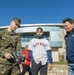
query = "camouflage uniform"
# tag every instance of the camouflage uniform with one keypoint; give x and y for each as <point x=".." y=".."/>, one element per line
<point x="8" y="37"/>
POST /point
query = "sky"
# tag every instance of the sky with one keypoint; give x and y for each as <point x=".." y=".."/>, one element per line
<point x="36" y="11"/>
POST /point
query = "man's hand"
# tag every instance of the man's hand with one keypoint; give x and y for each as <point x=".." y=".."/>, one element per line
<point x="49" y="66"/>
<point x="8" y="56"/>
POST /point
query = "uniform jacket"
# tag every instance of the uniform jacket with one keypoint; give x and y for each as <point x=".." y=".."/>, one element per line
<point x="8" y="37"/>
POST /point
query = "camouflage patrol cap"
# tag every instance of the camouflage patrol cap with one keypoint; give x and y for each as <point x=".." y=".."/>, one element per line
<point x="17" y="21"/>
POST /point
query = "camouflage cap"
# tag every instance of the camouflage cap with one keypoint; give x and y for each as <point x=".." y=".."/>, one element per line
<point x="17" y="21"/>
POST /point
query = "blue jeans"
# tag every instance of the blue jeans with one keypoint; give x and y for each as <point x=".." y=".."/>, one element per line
<point x="71" y="69"/>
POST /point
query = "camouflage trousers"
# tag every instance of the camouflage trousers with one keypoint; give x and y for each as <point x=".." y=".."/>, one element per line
<point x="5" y="69"/>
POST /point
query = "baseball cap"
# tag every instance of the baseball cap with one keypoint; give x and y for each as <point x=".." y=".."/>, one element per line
<point x="40" y="29"/>
<point x="17" y="21"/>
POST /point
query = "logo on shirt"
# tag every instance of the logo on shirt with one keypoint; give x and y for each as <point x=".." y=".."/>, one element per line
<point x="39" y="43"/>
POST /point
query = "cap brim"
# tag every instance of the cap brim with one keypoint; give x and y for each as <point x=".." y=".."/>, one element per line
<point x="18" y="25"/>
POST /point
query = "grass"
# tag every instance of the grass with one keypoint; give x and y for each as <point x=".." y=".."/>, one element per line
<point x="60" y="63"/>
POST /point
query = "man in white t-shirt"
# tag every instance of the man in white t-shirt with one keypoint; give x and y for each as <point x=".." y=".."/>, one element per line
<point x="40" y="53"/>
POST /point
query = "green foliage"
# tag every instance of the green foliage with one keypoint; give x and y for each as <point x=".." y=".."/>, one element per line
<point x="60" y="63"/>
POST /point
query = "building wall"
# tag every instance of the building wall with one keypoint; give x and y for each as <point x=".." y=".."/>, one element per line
<point x="62" y="51"/>
<point x="55" y="36"/>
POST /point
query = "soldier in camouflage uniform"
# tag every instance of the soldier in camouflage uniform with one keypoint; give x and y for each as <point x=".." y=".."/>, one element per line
<point x="9" y="36"/>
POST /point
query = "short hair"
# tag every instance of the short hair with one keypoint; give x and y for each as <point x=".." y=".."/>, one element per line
<point x="69" y="20"/>
<point x="26" y="47"/>
<point x="40" y="29"/>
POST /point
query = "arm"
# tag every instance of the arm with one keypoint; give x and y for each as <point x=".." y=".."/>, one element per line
<point x="30" y="48"/>
<point x="2" y="52"/>
<point x="3" y="43"/>
<point x="31" y="55"/>
<point x="49" y="55"/>
<point x="5" y="52"/>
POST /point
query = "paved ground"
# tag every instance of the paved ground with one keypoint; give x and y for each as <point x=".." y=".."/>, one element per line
<point x="57" y="70"/>
<point x="60" y="66"/>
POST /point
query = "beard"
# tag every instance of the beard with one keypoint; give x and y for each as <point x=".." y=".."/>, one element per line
<point x="40" y="36"/>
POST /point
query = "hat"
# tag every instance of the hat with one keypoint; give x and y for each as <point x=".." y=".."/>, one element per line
<point x="17" y="21"/>
<point x="40" y="29"/>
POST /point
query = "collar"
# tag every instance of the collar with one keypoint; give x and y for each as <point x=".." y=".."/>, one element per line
<point x="10" y="33"/>
<point x="38" y="37"/>
<point x="72" y="31"/>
